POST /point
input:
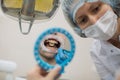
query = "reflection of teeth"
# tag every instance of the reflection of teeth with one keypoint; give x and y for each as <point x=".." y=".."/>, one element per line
<point x="53" y="41"/>
<point x="56" y="39"/>
<point x="51" y="44"/>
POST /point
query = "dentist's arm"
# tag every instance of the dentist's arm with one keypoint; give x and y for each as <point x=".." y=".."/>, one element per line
<point x="38" y="73"/>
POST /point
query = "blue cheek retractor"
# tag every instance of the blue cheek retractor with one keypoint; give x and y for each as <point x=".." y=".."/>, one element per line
<point x="63" y="56"/>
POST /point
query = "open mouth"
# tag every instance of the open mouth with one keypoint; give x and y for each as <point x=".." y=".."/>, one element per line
<point x="51" y="42"/>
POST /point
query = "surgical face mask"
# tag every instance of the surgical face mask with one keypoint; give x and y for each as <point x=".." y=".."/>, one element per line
<point x="104" y="28"/>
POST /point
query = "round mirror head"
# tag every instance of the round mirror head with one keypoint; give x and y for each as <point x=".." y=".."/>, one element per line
<point x="54" y="46"/>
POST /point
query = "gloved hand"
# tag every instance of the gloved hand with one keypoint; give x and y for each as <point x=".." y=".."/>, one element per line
<point x="62" y="55"/>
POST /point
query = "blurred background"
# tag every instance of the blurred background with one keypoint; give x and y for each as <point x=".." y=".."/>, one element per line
<point x="18" y="48"/>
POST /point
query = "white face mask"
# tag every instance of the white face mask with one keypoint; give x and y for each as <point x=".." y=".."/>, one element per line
<point x="104" y="28"/>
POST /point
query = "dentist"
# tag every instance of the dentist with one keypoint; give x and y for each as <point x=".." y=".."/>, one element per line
<point x="100" y="20"/>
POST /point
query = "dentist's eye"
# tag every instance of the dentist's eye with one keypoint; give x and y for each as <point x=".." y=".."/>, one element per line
<point x="83" y="20"/>
<point x="96" y="9"/>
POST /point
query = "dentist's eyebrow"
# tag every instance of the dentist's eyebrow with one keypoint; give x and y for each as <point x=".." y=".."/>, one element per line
<point x="94" y="4"/>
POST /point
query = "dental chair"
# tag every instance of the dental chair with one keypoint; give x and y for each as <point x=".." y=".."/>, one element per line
<point x="8" y="67"/>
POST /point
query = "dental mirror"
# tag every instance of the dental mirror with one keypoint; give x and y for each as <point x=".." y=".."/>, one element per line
<point x="28" y="11"/>
<point x="55" y="46"/>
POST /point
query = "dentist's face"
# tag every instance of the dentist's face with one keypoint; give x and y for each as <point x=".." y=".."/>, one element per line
<point x="90" y="12"/>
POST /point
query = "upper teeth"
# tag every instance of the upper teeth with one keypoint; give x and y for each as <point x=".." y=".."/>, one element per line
<point x="51" y="44"/>
<point x="52" y="41"/>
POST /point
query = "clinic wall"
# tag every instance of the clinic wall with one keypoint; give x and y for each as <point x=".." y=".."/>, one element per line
<point x="17" y="47"/>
